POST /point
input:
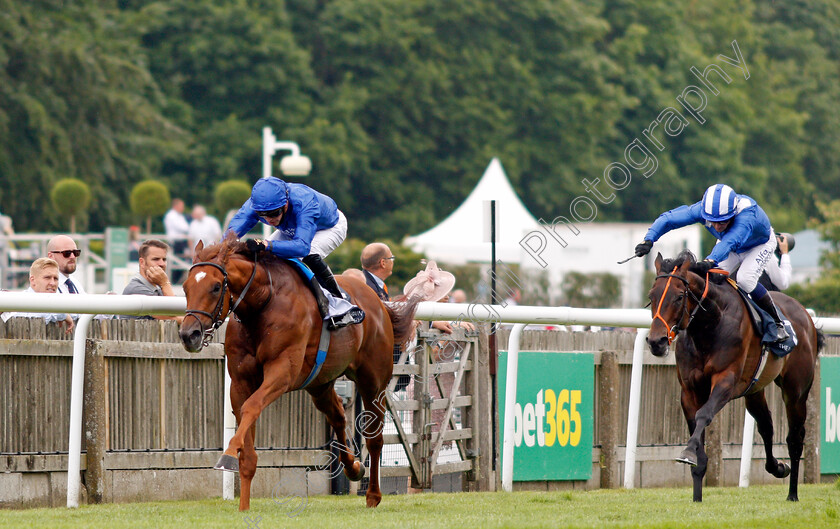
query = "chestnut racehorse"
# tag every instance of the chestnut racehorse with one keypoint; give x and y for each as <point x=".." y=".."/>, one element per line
<point x="271" y="345"/>
<point x="718" y="354"/>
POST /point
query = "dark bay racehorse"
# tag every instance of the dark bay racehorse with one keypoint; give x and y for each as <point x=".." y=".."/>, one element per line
<point x="718" y="353"/>
<point x="271" y="344"/>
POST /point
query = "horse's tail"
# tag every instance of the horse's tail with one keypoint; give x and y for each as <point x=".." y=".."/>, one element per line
<point x="820" y="340"/>
<point x="402" y="318"/>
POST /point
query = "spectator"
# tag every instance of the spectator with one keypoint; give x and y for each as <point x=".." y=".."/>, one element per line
<point x="152" y="280"/>
<point x="43" y="279"/>
<point x="777" y="274"/>
<point x="63" y="250"/>
<point x="355" y="273"/>
<point x="378" y="265"/>
<point x="134" y="243"/>
<point x="458" y="296"/>
<point x="204" y="228"/>
<point x="433" y="284"/>
<point x="177" y="227"/>
<point x="513" y="299"/>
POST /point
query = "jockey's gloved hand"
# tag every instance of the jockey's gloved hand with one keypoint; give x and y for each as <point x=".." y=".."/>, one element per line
<point x="643" y="248"/>
<point x="255" y="245"/>
<point x="703" y="267"/>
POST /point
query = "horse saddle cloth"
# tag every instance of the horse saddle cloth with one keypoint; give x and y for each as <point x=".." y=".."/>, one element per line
<point x="765" y="325"/>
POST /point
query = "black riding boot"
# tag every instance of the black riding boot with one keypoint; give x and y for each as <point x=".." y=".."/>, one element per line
<point x="324" y="276"/>
<point x="766" y="303"/>
<point x="323" y="273"/>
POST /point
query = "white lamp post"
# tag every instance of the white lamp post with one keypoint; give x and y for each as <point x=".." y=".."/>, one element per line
<point x="291" y="165"/>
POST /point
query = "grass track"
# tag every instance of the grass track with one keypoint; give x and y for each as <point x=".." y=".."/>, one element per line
<point x="755" y="507"/>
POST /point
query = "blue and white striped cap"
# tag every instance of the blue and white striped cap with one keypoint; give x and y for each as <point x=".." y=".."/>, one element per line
<point x="719" y="203"/>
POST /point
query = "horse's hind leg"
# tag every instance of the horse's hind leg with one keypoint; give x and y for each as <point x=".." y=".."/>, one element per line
<point x="328" y="402"/>
<point x="757" y="407"/>
<point x="797" y="411"/>
<point x="372" y="429"/>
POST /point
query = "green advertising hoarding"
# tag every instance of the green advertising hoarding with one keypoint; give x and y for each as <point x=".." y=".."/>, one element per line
<point x="553" y="420"/>
<point x="830" y="415"/>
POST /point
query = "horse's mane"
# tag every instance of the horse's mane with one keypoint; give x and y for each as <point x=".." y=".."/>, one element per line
<point x="669" y="265"/>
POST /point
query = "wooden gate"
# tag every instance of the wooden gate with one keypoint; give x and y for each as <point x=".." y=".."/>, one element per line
<point x="444" y="410"/>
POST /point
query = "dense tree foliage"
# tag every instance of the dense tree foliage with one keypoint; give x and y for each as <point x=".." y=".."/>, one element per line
<point x="402" y="104"/>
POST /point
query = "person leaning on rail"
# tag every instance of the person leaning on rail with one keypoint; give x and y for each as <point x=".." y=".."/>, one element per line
<point x="746" y="240"/>
<point x="152" y="279"/>
<point x="309" y="226"/>
<point x="43" y="279"/>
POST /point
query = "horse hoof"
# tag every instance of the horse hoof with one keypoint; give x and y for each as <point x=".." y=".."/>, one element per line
<point x="688" y="457"/>
<point x="227" y="463"/>
<point x="785" y="470"/>
<point x="793" y="498"/>
<point x="373" y="501"/>
<point x="359" y="475"/>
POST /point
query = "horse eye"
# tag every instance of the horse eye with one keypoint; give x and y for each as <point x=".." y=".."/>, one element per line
<point x="680" y="297"/>
<point x="216" y="288"/>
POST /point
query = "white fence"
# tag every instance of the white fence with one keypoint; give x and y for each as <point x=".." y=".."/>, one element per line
<point x="520" y="315"/>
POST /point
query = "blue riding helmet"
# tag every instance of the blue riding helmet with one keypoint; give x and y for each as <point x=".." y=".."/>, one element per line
<point x="269" y="194"/>
<point x="719" y="203"/>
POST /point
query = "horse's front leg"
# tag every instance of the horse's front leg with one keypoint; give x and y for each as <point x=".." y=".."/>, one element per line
<point x="695" y="452"/>
<point x="276" y="381"/>
<point x="698" y="460"/>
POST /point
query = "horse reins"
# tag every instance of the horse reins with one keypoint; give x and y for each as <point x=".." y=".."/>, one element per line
<point x="215" y="317"/>
<point x="672" y="330"/>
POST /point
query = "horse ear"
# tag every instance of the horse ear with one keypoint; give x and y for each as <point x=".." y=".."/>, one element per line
<point x="658" y="261"/>
<point x="684" y="267"/>
<point x="198" y="248"/>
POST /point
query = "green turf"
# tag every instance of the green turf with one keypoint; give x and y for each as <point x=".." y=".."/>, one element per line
<point x="755" y="507"/>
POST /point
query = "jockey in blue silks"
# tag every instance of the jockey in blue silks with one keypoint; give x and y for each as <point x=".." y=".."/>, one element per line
<point x="309" y="227"/>
<point x="745" y="240"/>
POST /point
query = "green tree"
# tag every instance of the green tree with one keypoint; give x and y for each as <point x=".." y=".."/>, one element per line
<point x="70" y="197"/>
<point x="231" y="194"/>
<point x="75" y="100"/>
<point x="149" y="198"/>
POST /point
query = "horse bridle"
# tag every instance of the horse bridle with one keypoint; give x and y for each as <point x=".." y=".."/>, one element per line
<point x="672" y="330"/>
<point x="216" y="318"/>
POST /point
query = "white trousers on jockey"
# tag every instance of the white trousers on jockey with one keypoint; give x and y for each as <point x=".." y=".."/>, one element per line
<point x="751" y="263"/>
<point x="324" y="241"/>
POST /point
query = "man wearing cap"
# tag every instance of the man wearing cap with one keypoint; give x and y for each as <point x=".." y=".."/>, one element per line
<point x="309" y="226"/>
<point x="746" y="241"/>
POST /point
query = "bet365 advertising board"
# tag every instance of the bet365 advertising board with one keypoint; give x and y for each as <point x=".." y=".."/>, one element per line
<point x="553" y="421"/>
<point x="830" y="414"/>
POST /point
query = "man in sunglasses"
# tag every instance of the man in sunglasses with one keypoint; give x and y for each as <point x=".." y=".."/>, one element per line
<point x="309" y="227"/>
<point x="63" y="250"/>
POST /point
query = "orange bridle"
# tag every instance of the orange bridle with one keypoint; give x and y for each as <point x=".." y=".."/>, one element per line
<point x="672" y="329"/>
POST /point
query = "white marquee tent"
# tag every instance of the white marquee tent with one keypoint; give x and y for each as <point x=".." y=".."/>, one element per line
<point x="596" y="247"/>
<point x="460" y="238"/>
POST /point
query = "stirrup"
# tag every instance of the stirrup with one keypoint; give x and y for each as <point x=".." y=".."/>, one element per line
<point x="352" y="316"/>
<point x="781" y="333"/>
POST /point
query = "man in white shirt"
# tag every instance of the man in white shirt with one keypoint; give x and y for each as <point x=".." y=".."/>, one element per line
<point x="177" y="227"/>
<point x="203" y="228"/>
<point x="63" y="250"/>
<point x="43" y="279"/>
<point x="778" y="272"/>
